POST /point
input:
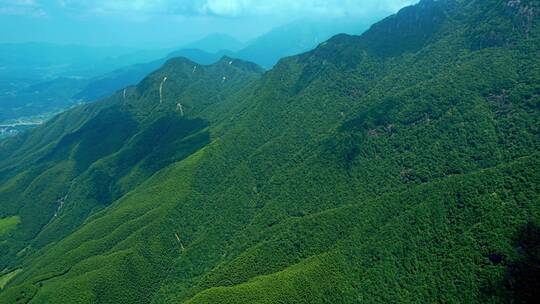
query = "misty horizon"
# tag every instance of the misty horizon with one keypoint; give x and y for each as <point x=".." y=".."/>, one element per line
<point x="167" y="24"/>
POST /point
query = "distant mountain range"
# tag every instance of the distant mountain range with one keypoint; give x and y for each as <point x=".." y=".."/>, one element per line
<point x="19" y="98"/>
<point x="216" y="43"/>
<point x="40" y="78"/>
<point x="298" y="37"/>
<point x="267" y="50"/>
<point x="43" y="61"/>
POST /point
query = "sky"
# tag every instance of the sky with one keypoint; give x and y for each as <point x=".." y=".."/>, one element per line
<point x="166" y="23"/>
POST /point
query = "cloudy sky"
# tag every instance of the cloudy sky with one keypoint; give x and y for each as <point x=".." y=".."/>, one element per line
<point x="166" y="23"/>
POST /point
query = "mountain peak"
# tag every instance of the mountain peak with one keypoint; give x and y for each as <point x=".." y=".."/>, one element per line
<point x="195" y="86"/>
<point x="217" y="42"/>
<point x="409" y="30"/>
<point x="240" y="64"/>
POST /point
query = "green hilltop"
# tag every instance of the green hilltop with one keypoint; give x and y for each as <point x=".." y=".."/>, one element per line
<point x="397" y="166"/>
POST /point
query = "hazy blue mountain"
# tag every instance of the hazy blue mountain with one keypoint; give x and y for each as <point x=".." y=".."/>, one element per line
<point x="24" y="98"/>
<point x="102" y="71"/>
<point x="297" y="37"/>
<point x="215" y="43"/>
<point x="44" y="61"/>
<point x="42" y="78"/>
<point x="287" y="40"/>
<point x="41" y="98"/>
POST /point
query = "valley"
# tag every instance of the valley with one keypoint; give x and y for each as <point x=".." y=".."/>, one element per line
<point x="10" y="128"/>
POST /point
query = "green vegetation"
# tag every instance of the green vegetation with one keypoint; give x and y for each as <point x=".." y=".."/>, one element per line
<point x="400" y="166"/>
<point x="8" y="224"/>
<point x="4" y="279"/>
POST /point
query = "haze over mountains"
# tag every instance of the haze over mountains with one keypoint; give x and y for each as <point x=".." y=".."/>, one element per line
<point x="396" y="166"/>
<point x="40" y="78"/>
<point x="62" y="76"/>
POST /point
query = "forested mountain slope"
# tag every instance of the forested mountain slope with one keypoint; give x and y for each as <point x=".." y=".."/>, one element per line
<point x="84" y="159"/>
<point x="397" y="166"/>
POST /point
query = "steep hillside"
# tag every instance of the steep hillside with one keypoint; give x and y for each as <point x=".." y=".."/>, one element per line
<point x="397" y="166"/>
<point x="83" y="160"/>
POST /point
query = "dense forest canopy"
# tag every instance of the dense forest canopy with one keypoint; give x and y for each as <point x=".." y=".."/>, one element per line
<point x="401" y="165"/>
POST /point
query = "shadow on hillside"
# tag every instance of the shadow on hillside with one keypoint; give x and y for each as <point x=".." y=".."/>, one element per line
<point x="523" y="277"/>
<point x="521" y="283"/>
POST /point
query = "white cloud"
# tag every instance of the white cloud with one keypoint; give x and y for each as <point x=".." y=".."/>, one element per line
<point x="234" y="8"/>
<point x="18" y="2"/>
<point x="301" y="7"/>
<point x="21" y="8"/>
<point x="224" y="7"/>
